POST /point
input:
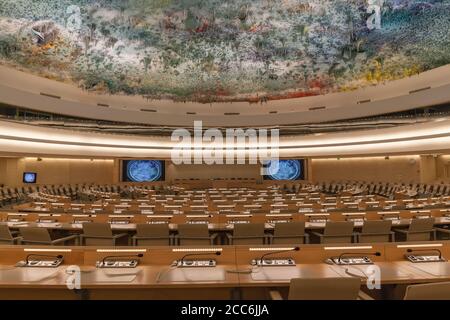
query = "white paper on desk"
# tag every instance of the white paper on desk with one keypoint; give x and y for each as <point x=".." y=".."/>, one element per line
<point x="27" y="274"/>
<point x="110" y="275"/>
<point x="192" y="275"/>
<point x="438" y="269"/>
<point x="275" y="273"/>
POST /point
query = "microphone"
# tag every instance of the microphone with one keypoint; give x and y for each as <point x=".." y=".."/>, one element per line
<point x="27" y="259"/>
<point x="427" y="250"/>
<point x="377" y="254"/>
<point x="140" y="255"/>
<point x="275" y="252"/>
<point x="180" y="261"/>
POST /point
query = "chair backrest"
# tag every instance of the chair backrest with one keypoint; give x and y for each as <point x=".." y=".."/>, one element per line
<point x="248" y="233"/>
<point x="156" y="234"/>
<point x="97" y="229"/>
<point x="338" y="232"/>
<point x="193" y="234"/>
<point x="428" y="291"/>
<point x="5" y="234"/>
<point x="421" y="225"/>
<point x="35" y="234"/>
<point x="324" y="288"/>
<point x="289" y="233"/>
<point x="376" y="231"/>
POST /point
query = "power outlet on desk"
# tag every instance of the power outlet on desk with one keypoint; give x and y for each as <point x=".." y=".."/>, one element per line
<point x="348" y="261"/>
<point x="424" y="258"/>
<point x="158" y="222"/>
<point x="117" y="264"/>
<point x="278" y="221"/>
<point x="237" y="221"/>
<point x="273" y="262"/>
<point x="119" y="222"/>
<point x="194" y="263"/>
<point x="40" y="263"/>
<point x="47" y="221"/>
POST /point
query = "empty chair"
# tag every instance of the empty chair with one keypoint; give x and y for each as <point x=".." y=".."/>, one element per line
<point x="34" y="235"/>
<point x="152" y="235"/>
<point x="99" y="234"/>
<point x="194" y="235"/>
<point x="248" y="233"/>
<point x="419" y="230"/>
<point x="8" y="237"/>
<point x="376" y="231"/>
<point x="336" y="232"/>
<point x="323" y="289"/>
<point x="428" y="291"/>
<point x="290" y="233"/>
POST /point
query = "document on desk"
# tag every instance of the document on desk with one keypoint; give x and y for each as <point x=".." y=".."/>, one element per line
<point x="437" y="269"/>
<point x="17" y="224"/>
<point x="191" y="275"/>
<point x="110" y="275"/>
<point x="386" y="272"/>
<point x="275" y="273"/>
<point x="48" y="225"/>
<point x="17" y="275"/>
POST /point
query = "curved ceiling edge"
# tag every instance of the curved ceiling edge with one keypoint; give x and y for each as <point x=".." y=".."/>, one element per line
<point x="429" y="88"/>
<point x="30" y="140"/>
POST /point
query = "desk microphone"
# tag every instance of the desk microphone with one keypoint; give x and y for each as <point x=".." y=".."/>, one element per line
<point x="427" y="250"/>
<point x="27" y="259"/>
<point x="180" y="262"/>
<point x="377" y="254"/>
<point x="140" y="255"/>
<point x="275" y="252"/>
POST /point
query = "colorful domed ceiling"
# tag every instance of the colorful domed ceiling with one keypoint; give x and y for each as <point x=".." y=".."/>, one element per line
<point x="215" y="50"/>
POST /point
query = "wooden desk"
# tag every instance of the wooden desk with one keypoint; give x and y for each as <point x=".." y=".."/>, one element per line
<point x="234" y="277"/>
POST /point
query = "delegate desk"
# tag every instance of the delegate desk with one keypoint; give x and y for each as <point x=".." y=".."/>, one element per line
<point x="233" y="276"/>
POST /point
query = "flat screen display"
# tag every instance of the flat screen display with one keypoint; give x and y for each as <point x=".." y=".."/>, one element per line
<point x="287" y="169"/>
<point x="143" y="170"/>
<point x="29" y="177"/>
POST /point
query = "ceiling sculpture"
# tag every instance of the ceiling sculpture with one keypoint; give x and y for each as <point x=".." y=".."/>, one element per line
<point x="215" y="50"/>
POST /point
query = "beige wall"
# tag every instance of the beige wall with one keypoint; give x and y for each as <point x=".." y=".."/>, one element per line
<point x="56" y="171"/>
<point x="199" y="171"/>
<point x="397" y="168"/>
<point x="443" y="168"/>
<point x="400" y="168"/>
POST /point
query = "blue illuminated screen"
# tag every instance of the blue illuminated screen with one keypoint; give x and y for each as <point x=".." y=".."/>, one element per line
<point x="291" y="169"/>
<point x="143" y="170"/>
<point x="29" y="177"/>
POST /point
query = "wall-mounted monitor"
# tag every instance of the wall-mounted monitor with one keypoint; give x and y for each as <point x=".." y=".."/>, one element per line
<point x="29" y="177"/>
<point x="287" y="169"/>
<point x="143" y="170"/>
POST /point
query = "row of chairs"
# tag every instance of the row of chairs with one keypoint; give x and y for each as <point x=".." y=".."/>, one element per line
<point x="101" y="234"/>
<point x="349" y="288"/>
<point x="386" y="189"/>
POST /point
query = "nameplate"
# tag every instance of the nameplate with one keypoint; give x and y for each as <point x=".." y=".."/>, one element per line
<point x="346" y="261"/>
<point x="40" y="263"/>
<point x="117" y="264"/>
<point x="194" y="263"/>
<point x="424" y="258"/>
<point x="273" y="262"/>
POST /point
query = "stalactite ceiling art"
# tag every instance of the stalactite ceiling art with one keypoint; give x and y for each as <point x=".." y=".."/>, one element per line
<point x="214" y="50"/>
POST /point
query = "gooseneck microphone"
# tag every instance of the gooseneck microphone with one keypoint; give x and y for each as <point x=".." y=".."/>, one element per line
<point x="377" y="254"/>
<point x="27" y="259"/>
<point x="275" y="252"/>
<point x="180" y="261"/>
<point x="427" y="250"/>
<point x="140" y="255"/>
